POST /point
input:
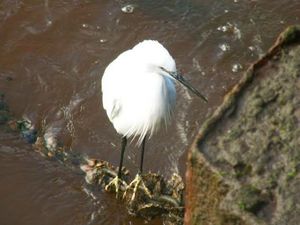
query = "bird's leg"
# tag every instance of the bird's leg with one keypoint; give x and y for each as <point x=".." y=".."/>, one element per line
<point x="138" y="180"/>
<point x="138" y="183"/>
<point x="142" y="155"/>
<point x="117" y="180"/>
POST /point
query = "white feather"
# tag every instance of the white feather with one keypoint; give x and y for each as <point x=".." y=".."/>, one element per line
<point x="137" y="95"/>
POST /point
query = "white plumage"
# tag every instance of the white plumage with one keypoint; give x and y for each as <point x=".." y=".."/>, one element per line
<point x="137" y="94"/>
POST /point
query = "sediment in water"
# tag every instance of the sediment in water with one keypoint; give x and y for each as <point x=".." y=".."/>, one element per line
<point x="166" y="196"/>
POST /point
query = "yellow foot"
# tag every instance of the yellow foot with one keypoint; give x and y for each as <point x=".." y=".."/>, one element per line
<point x="117" y="183"/>
<point x="135" y="184"/>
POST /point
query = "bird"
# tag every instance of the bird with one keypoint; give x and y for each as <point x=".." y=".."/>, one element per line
<point x="139" y="95"/>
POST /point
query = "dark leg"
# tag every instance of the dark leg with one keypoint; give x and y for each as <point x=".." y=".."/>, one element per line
<point x="138" y="182"/>
<point x="124" y="143"/>
<point x="142" y="155"/>
<point x="117" y="182"/>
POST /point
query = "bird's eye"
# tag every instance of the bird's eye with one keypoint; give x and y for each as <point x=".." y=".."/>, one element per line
<point x="165" y="70"/>
<point x="173" y="74"/>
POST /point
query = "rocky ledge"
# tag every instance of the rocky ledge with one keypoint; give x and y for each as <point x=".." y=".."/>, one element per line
<point x="243" y="167"/>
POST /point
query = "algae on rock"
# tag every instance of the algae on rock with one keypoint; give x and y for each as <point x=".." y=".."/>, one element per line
<point x="252" y="143"/>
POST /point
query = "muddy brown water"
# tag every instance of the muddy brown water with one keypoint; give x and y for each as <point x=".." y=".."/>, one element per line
<point x="52" y="56"/>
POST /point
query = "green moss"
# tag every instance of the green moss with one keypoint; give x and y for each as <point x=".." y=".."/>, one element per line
<point x="4" y="116"/>
<point x="291" y="35"/>
<point x="250" y="199"/>
<point x="242" y="170"/>
<point x="293" y="171"/>
<point x="291" y="174"/>
<point x="233" y="134"/>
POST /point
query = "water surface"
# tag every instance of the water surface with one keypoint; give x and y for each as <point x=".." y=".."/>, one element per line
<point x="52" y="57"/>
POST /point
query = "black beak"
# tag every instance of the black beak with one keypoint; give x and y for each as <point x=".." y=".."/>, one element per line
<point x="185" y="83"/>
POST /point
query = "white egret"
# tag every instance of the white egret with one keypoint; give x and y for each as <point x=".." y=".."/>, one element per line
<point x="139" y="95"/>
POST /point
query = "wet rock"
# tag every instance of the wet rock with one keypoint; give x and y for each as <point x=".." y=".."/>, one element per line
<point x="165" y="199"/>
<point x="65" y="156"/>
<point x="252" y="199"/>
<point x="4" y="116"/>
<point x="29" y="135"/>
<point x="244" y="164"/>
<point x="4" y="111"/>
<point x="100" y="172"/>
<point x="128" y="8"/>
<point x="3" y="104"/>
<point x="27" y="130"/>
<point x="24" y="126"/>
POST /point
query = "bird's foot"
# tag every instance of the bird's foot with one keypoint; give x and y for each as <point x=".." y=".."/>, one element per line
<point x="135" y="184"/>
<point x="117" y="184"/>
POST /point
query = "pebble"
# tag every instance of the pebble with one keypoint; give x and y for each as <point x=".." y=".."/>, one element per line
<point x="29" y="135"/>
<point x="224" y="47"/>
<point x="128" y="8"/>
<point x="236" y="67"/>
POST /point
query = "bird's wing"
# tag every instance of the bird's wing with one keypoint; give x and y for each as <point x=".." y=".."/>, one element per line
<point x="116" y="109"/>
<point x="113" y="82"/>
<point x="110" y="98"/>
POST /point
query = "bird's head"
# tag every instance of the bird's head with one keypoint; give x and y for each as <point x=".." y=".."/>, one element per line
<point x="157" y="58"/>
<point x="152" y="55"/>
<point x="177" y="76"/>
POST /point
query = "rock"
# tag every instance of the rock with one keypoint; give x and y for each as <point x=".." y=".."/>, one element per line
<point x="26" y="129"/>
<point x="243" y="167"/>
<point x="4" y="116"/>
<point x="4" y="110"/>
<point x="128" y="8"/>
<point x="99" y="172"/>
<point x="29" y="135"/>
<point x="166" y="198"/>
